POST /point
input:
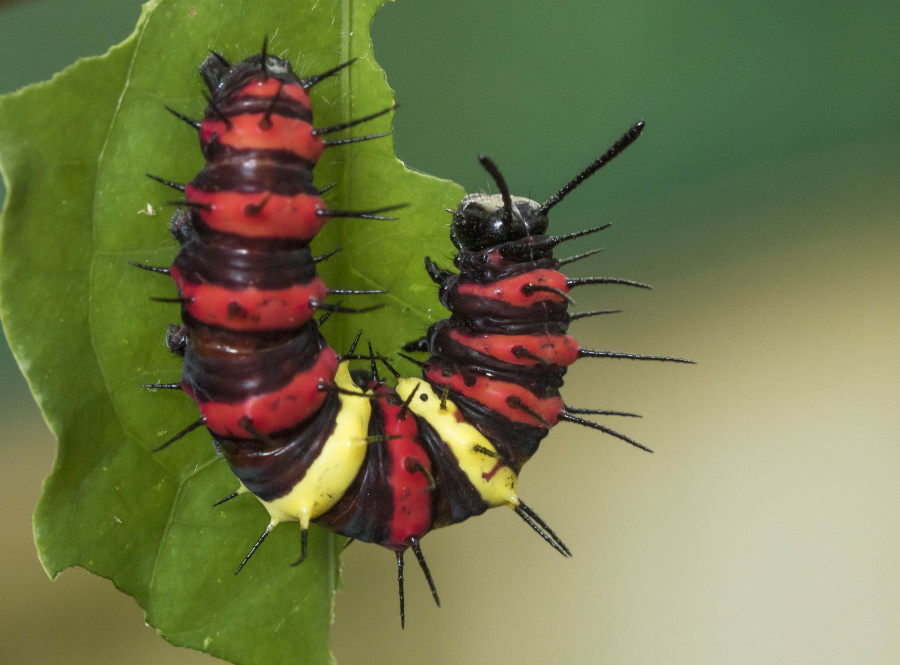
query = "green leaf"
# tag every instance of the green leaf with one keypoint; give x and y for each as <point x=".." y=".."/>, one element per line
<point x="73" y="153"/>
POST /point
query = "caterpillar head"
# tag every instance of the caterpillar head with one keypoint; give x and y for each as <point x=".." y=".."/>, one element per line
<point x="487" y="220"/>
<point x="224" y="78"/>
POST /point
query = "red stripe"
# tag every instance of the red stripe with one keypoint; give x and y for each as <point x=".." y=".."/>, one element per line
<point x="250" y="308"/>
<point x="509" y="290"/>
<point x="552" y="348"/>
<point x="493" y="394"/>
<point x="411" y="516"/>
<point x="271" y="215"/>
<point x="251" y="132"/>
<point x="275" y="410"/>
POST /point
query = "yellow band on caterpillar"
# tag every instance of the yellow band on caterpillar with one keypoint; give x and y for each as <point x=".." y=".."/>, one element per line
<point x="476" y="456"/>
<point x="332" y="472"/>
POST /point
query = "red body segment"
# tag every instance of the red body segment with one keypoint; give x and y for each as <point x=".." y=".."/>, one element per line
<point x="525" y="350"/>
<point x="514" y="290"/>
<point x="259" y="215"/>
<point x="496" y="395"/>
<point x="272" y="411"/>
<point x="257" y="131"/>
<point x="250" y="308"/>
<point x="410" y="477"/>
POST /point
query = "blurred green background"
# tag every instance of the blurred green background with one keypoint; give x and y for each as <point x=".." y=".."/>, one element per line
<point x="762" y="202"/>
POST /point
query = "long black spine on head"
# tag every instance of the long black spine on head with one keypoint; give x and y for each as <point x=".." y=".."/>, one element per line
<point x="494" y="172"/>
<point x="614" y="151"/>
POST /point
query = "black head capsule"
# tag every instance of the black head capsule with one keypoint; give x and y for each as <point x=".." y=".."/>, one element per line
<point x="486" y="220"/>
<point x="482" y="221"/>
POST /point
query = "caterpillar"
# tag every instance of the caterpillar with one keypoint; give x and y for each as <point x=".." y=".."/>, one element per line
<point x="314" y="441"/>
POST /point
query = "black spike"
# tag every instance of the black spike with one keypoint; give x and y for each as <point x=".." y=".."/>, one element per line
<point x="187" y="430"/>
<point x="168" y="183"/>
<point x="247" y="423"/>
<point x="357" y="292"/>
<point x="528" y="289"/>
<point x="374" y="367"/>
<point x="578" y="257"/>
<point x="265" y="122"/>
<point x="419" y="345"/>
<point x="404" y="409"/>
<point x="515" y="402"/>
<point x="445" y="393"/>
<point x="596" y="312"/>
<point x="337" y="309"/>
<point x="413" y="465"/>
<point x="217" y="111"/>
<point x="546" y="243"/>
<point x="413" y="360"/>
<point x="310" y="81"/>
<point x="362" y="214"/>
<point x="606" y="430"/>
<point x="304" y="538"/>
<point x="324" y="189"/>
<point x="540" y="527"/>
<point x="417" y="550"/>
<point x="231" y="496"/>
<point x="326" y="255"/>
<point x="487" y="452"/>
<point x="262" y="59"/>
<point x="221" y="58"/>
<point x="390" y="368"/>
<point x="178" y="300"/>
<point x="494" y="171"/>
<point x="601" y="412"/>
<point x="253" y="209"/>
<point x="162" y="386"/>
<point x="193" y="123"/>
<point x="400" y="585"/>
<point x="626" y="140"/>
<point x="355" y="342"/>
<point x="322" y="131"/>
<point x="437" y="274"/>
<point x="553" y="241"/>
<point x="357" y="356"/>
<point x="590" y="353"/>
<point x="156" y="269"/>
<point x="582" y="281"/>
<point x="327" y="314"/>
<point x="255" y="547"/>
<point x="355" y="139"/>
